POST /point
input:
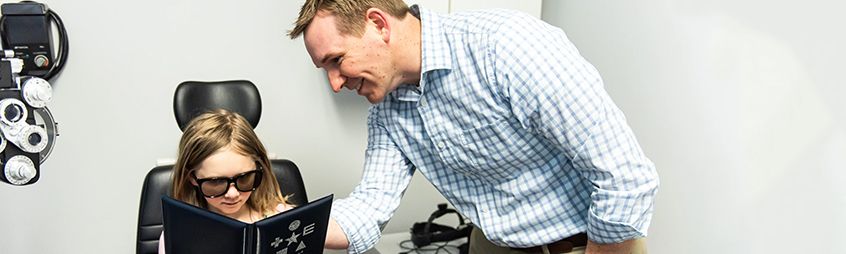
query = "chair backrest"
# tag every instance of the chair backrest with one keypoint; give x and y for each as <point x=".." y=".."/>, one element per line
<point x="191" y="99"/>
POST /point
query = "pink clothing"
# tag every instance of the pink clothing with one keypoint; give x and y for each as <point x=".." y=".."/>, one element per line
<point x="280" y="208"/>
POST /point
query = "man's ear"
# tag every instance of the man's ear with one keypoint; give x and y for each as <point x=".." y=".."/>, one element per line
<point x="379" y="19"/>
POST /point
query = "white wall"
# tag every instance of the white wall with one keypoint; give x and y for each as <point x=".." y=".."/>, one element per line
<point x="740" y="105"/>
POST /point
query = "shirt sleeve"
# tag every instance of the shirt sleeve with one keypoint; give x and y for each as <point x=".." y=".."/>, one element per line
<point x="387" y="173"/>
<point x="555" y="92"/>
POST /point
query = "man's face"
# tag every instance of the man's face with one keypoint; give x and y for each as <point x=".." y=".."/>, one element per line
<point x="360" y="64"/>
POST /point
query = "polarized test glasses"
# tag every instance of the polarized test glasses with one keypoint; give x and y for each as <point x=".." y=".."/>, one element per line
<point x="217" y="186"/>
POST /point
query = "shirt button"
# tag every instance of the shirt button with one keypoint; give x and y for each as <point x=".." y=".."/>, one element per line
<point x="422" y="103"/>
<point x="441" y="145"/>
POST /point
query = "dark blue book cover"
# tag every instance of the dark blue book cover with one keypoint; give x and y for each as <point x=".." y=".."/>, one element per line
<point x="190" y="229"/>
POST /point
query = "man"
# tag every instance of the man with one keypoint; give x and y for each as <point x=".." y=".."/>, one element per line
<point x="500" y="113"/>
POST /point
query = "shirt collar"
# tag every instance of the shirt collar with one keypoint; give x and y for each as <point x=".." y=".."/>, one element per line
<point x="435" y="53"/>
<point x="435" y="49"/>
<point x="407" y="93"/>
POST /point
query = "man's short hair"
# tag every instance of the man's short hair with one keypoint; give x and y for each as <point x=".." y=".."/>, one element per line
<point x="350" y="13"/>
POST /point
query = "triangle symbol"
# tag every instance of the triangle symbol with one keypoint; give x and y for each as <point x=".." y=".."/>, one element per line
<point x="302" y="246"/>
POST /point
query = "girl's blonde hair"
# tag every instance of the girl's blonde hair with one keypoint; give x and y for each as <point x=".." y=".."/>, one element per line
<point x="208" y="133"/>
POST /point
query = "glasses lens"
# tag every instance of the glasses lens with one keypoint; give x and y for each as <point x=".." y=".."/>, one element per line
<point x="214" y="187"/>
<point x="247" y="182"/>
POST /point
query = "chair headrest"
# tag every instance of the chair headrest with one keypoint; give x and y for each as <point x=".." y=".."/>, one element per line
<point x="193" y="98"/>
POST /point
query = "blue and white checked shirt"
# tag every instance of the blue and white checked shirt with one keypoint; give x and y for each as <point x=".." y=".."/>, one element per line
<point x="514" y="128"/>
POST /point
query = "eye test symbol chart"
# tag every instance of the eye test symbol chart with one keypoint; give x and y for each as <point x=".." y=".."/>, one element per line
<point x="294" y="238"/>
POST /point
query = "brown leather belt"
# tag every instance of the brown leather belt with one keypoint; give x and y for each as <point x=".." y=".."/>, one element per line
<point x="562" y="246"/>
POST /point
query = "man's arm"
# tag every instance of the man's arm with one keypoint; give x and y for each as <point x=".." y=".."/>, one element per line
<point x="357" y="220"/>
<point x="335" y="237"/>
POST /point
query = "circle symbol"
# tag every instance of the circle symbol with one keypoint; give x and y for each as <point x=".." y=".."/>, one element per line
<point x="294" y="225"/>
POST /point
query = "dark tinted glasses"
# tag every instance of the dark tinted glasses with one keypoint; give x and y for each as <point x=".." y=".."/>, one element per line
<point x="217" y="186"/>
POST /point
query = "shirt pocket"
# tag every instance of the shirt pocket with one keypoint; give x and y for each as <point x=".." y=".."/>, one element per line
<point x="498" y="151"/>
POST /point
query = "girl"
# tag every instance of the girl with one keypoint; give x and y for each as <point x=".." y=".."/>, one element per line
<point x="223" y="167"/>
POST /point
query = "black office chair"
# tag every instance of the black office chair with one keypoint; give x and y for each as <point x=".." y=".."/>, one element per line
<point x="191" y="99"/>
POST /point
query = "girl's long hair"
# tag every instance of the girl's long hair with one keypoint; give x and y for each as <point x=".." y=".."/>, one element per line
<point x="208" y="133"/>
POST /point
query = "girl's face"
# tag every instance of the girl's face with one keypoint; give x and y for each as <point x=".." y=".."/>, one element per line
<point x="223" y="164"/>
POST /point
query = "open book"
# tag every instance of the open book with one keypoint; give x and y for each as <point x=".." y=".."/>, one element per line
<point x="190" y="229"/>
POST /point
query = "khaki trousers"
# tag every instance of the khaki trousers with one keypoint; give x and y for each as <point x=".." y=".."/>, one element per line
<point x="479" y="244"/>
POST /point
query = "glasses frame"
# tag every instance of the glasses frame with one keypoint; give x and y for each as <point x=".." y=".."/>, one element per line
<point x="230" y="181"/>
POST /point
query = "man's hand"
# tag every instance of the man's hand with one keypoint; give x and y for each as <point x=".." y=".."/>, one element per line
<point x="335" y="237"/>
<point x="634" y="246"/>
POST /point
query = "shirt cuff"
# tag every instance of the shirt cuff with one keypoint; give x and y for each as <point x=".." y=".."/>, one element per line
<point x="605" y="232"/>
<point x="358" y="228"/>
